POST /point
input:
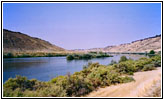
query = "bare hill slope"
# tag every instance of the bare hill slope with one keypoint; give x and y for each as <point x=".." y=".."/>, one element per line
<point x="19" y="42"/>
<point x="143" y="45"/>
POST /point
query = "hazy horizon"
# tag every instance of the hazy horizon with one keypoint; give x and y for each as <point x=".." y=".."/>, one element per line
<point x="84" y="25"/>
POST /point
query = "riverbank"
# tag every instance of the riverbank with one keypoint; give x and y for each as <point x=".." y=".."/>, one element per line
<point x="92" y="77"/>
<point x="35" y="54"/>
<point x="146" y="84"/>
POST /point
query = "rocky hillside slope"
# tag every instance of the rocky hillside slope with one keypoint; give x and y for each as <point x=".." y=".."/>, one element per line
<point x="143" y="45"/>
<point x="19" y="42"/>
<point x="139" y="46"/>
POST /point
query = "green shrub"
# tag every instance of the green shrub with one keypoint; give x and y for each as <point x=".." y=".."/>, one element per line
<point x="126" y="67"/>
<point x="127" y="79"/>
<point x="113" y="62"/>
<point x="148" y="67"/>
<point x="156" y="63"/>
<point x="87" y="56"/>
<point x="53" y="91"/>
<point x="58" y="79"/>
<point x="16" y="93"/>
<point x="19" y="84"/>
<point x="152" y="52"/>
<point x="104" y="76"/>
<point x="74" y="85"/>
<point x="113" y="77"/>
<point x="77" y="86"/>
<point x="156" y="60"/>
<point x="123" y="58"/>
<point x="70" y="57"/>
<point x="139" y="64"/>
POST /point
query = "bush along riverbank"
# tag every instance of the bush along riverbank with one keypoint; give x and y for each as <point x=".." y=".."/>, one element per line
<point x="37" y="54"/>
<point x="80" y="83"/>
<point x="89" y="55"/>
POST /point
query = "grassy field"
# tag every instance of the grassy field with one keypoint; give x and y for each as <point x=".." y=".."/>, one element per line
<point x="80" y="83"/>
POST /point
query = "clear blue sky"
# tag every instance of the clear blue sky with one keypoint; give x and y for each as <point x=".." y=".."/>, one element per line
<point x="84" y="25"/>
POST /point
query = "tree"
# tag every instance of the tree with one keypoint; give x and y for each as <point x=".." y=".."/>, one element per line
<point x="152" y="52"/>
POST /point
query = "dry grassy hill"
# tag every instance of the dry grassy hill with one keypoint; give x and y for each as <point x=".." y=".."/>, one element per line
<point x="19" y="42"/>
<point x="143" y="45"/>
<point x="139" y="46"/>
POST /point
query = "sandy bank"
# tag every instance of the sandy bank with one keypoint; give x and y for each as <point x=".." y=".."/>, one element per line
<point x="144" y="85"/>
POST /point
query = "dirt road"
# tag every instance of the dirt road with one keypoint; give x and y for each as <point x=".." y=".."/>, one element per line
<point x="145" y="83"/>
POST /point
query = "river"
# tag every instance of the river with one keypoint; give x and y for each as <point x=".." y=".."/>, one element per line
<point x="46" y="68"/>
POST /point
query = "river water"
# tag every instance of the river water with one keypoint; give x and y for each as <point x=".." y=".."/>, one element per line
<point x="46" y="68"/>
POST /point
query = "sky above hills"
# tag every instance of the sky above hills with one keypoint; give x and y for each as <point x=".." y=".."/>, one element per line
<point x="84" y="25"/>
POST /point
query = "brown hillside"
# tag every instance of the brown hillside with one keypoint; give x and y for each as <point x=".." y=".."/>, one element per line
<point x="143" y="45"/>
<point x="19" y="42"/>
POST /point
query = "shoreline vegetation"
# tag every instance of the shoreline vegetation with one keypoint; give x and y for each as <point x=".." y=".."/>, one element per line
<point x="71" y="55"/>
<point x="89" y="55"/>
<point x="36" y="54"/>
<point x="93" y="76"/>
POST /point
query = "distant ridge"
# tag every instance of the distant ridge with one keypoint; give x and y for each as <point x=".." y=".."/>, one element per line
<point x="138" y="46"/>
<point x="19" y="42"/>
<point x="142" y="45"/>
<point x="148" y="38"/>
